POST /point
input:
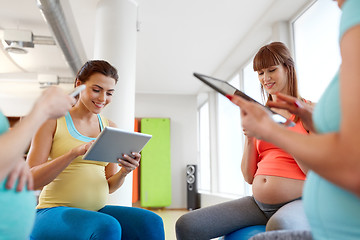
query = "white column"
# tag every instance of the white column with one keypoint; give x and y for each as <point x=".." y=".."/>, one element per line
<point x="281" y="31"/>
<point x="115" y="42"/>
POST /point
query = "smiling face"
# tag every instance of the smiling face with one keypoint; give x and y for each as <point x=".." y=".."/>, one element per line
<point x="274" y="79"/>
<point x="98" y="92"/>
<point x="276" y="70"/>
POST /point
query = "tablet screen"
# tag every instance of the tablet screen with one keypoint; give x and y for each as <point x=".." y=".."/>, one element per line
<point x="112" y="143"/>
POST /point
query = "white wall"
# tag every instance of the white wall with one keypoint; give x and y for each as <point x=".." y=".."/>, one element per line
<point x="182" y="111"/>
<point x="17" y="103"/>
<point x="273" y="26"/>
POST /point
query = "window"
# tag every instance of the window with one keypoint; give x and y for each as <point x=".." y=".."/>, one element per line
<point x="204" y="147"/>
<point x="230" y="145"/>
<point x="252" y="88"/>
<point x="317" y="53"/>
<point x="252" y="83"/>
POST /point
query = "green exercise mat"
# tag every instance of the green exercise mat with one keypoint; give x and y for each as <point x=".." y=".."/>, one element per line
<point x="155" y="174"/>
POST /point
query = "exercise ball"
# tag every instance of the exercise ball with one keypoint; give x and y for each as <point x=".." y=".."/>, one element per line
<point x="245" y="233"/>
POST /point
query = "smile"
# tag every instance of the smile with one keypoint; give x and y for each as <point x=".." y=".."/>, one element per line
<point x="99" y="105"/>
<point x="269" y="85"/>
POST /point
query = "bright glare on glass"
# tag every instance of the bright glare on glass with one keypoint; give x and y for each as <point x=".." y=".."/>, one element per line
<point x="252" y="88"/>
<point x="252" y="83"/>
<point x="229" y="145"/>
<point x="204" y="148"/>
<point x="317" y="48"/>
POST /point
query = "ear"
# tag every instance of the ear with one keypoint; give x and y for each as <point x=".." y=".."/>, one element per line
<point x="78" y="83"/>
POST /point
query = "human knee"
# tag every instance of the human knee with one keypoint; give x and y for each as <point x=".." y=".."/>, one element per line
<point x="151" y="220"/>
<point x="282" y="220"/>
<point x="153" y="217"/>
<point x="185" y="228"/>
<point x="152" y="226"/>
<point x="157" y="221"/>
<point x="109" y="229"/>
<point x="275" y="223"/>
<point x="289" y="217"/>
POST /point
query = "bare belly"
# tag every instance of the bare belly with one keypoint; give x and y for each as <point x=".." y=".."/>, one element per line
<point x="274" y="190"/>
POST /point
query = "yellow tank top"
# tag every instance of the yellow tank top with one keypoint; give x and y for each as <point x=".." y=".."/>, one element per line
<point x="83" y="183"/>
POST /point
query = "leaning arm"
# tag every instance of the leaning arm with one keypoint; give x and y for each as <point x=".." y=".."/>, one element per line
<point x="14" y="143"/>
<point x="248" y="162"/>
<point x="45" y="171"/>
<point x="115" y="177"/>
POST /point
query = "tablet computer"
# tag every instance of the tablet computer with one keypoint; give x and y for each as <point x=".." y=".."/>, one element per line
<point x="112" y="143"/>
<point x="225" y="88"/>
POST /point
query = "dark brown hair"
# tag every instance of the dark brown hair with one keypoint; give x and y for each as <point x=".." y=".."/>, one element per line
<point x="276" y="53"/>
<point x="96" y="66"/>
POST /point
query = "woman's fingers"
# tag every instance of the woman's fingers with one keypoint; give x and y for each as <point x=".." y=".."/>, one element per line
<point x="130" y="163"/>
<point x="21" y="175"/>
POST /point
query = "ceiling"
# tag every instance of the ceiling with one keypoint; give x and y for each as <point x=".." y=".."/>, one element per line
<point x="176" y="38"/>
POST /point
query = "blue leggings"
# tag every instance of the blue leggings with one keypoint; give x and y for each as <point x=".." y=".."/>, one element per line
<point x="109" y="223"/>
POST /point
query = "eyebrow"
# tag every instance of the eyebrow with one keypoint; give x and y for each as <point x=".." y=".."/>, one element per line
<point x="110" y="90"/>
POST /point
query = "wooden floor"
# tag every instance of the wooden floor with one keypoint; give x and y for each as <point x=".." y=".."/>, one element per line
<point x="169" y="217"/>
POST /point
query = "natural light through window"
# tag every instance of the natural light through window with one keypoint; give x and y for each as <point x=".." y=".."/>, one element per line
<point x="252" y="83"/>
<point x="316" y="48"/>
<point x="204" y="148"/>
<point x="229" y="145"/>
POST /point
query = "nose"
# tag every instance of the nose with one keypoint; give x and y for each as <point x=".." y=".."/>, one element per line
<point x="102" y="97"/>
<point x="266" y="76"/>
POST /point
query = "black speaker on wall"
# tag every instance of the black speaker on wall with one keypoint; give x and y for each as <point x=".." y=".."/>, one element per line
<point x="193" y="200"/>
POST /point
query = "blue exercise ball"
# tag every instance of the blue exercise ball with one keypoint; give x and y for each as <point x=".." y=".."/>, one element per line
<point x="245" y="233"/>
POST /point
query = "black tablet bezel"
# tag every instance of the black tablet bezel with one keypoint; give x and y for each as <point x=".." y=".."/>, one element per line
<point x="276" y="117"/>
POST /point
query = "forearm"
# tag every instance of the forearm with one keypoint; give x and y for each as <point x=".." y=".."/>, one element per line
<point x="45" y="173"/>
<point x="248" y="162"/>
<point x="302" y="166"/>
<point x="14" y="143"/>
<point x="117" y="180"/>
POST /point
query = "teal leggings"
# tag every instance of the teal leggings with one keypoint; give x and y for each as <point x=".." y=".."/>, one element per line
<point x="109" y="223"/>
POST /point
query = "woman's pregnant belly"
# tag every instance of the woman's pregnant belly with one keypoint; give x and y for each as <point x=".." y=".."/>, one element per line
<point x="17" y="212"/>
<point x="81" y="186"/>
<point x="274" y="190"/>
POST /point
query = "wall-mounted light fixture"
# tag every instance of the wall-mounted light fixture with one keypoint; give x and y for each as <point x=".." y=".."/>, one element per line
<point x="18" y="40"/>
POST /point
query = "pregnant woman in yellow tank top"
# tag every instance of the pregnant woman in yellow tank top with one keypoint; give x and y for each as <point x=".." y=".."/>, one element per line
<point x="72" y="203"/>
